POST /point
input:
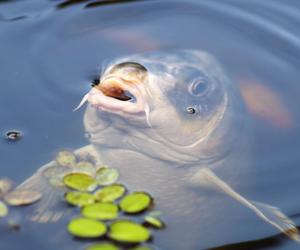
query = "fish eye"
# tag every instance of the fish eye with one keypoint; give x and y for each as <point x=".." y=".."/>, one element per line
<point x="199" y="87"/>
<point x="191" y="110"/>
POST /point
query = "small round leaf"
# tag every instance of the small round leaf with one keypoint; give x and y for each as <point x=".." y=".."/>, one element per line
<point x="110" y="193"/>
<point x="135" y="202"/>
<point x="80" y="181"/>
<point x="5" y="186"/>
<point x="154" y="222"/>
<point x="79" y="198"/>
<point x="3" y="209"/>
<point x="86" y="228"/>
<point x="85" y="167"/>
<point x="106" y="176"/>
<point x="66" y="159"/>
<point x="103" y="246"/>
<point x="20" y="197"/>
<point x="128" y="232"/>
<point x="101" y="211"/>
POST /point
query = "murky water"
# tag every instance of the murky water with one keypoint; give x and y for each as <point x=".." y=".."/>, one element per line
<point x="50" y="53"/>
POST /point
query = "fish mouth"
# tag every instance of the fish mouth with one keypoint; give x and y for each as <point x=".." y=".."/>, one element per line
<point x="117" y="95"/>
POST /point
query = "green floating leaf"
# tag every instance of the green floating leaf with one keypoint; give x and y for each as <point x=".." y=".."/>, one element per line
<point x="86" y="228"/>
<point x="20" y="197"/>
<point x="154" y="222"/>
<point x="141" y="248"/>
<point x="110" y="193"/>
<point x="55" y="175"/>
<point x="79" y="198"/>
<point x="106" y="176"/>
<point x="80" y="181"/>
<point x="85" y="167"/>
<point x="103" y="246"/>
<point x="128" y="232"/>
<point x="135" y="202"/>
<point x="101" y="211"/>
<point x="5" y="186"/>
<point x="66" y="159"/>
<point x="3" y="209"/>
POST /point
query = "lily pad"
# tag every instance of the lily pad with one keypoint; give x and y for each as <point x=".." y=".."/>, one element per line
<point x="20" y="197"/>
<point x="154" y="222"/>
<point x="79" y="198"/>
<point x="80" y="182"/>
<point x="106" y="176"/>
<point x="5" y="186"/>
<point x="66" y="159"/>
<point x="3" y="209"/>
<point x="101" y="211"/>
<point x="86" y="228"/>
<point x="85" y="167"/>
<point x="103" y="246"/>
<point x="110" y="193"/>
<point x="128" y="232"/>
<point x="142" y="248"/>
<point x="135" y="202"/>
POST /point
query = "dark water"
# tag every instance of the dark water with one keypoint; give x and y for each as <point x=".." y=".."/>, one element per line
<point x="50" y="52"/>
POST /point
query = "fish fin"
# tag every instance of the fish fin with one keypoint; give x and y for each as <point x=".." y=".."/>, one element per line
<point x="268" y="213"/>
<point x="274" y="216"/>
<point x="51" y="207"/>
<point x="47" y="209"/>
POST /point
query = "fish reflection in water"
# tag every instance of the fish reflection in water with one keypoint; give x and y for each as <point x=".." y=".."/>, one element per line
<point x="175" y="125"/>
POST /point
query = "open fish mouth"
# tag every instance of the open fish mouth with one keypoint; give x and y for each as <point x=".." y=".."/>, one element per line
<point x="117" y="95"/>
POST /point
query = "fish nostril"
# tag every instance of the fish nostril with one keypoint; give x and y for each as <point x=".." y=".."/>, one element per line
<point x="191" y="110"/>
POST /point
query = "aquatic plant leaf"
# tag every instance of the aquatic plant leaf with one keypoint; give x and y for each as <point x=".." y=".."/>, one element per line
<point x="3" y="209"/>
<point x="103" y="246"/>
<point x="20" y="197"/>
<point x="5" y="186"/>
<point x="79" y="198"/>
<point x="141" y="248"/>
<point x="154" y="222"/>
<point x="110" y="193"/>
<point x="128" y="231"/>
<point x="80" y="182"/>
<point x="106" y="176"/>
<point x="135" y="202"/>
<point x="86" y="228"/>
<point x="85" y="166"/>
<point x="100" y="211"/>
<point x="66" y="159"/>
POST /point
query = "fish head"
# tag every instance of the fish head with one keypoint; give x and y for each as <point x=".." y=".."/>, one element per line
<point x="173" y="106"/>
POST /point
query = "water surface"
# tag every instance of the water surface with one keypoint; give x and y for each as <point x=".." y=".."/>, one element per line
<point x="50" y="53"/>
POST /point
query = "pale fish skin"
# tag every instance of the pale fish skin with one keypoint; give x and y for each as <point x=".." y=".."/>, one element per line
<point x="183" y="137"/>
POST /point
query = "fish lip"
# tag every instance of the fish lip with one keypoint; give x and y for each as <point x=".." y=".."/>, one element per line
<point x="100" y="100"/>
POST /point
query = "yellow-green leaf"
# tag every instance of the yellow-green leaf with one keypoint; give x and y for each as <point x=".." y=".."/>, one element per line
<point x="101" y="211"/>
<point x="79" y="198"/>
<point x="154" y="222"/>
<point x="86" y="228"/>
<point x="110" y="193"/>
<point x="3" y="209"/>
<point x="102" y="246"/>
<point x="106" y="176"/>
<point x="66" y="159"/>
<point x="128" y="231"/>
<point x="135" y="202"/>
<point x="80" y="182"/>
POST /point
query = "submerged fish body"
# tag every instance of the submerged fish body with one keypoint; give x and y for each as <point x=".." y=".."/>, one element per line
<point x="174" y="124"/>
